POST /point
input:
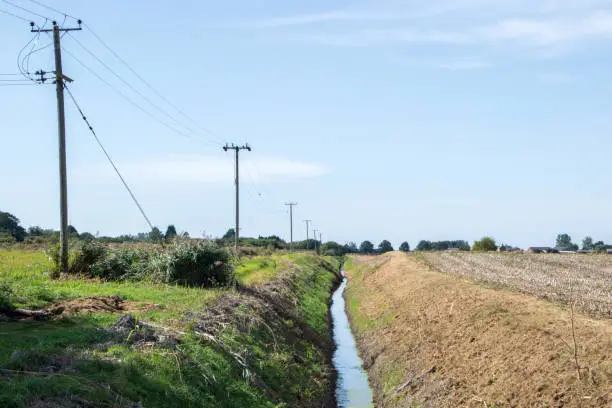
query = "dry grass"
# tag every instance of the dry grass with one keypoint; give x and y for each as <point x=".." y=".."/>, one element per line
<point x="434" y="340"/>
<point x="585" y="280"/>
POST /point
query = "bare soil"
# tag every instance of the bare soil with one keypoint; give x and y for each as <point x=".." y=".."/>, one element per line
<point x="93" y="304"/>
<point x="432" y="340"/>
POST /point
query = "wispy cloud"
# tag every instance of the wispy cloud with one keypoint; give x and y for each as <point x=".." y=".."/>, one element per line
<point x="316" y="18"/>
<point x="479" y="22"/>
<point x="207" y="169"/>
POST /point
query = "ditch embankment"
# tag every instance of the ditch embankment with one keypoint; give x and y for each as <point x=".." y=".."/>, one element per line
<point x="265" y="343"/>
<point x="433" y="340"/>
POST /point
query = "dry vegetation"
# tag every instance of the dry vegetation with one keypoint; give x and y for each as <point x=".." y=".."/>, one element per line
<point x="585" y="280"/>
<point x="429" y="339"/>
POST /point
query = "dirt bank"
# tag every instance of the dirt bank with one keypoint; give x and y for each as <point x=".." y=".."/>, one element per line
<point x="434" y="340"/>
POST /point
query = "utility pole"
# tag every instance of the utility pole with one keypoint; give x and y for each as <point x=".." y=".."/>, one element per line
<point x="291" y="223"/>
<point x="61" y="126"/>
<point x="237" y="181"/>
<point x="314" y="231"/>
<point x="307" y="224"/>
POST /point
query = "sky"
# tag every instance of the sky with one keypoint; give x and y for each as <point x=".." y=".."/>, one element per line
<point x="398" y="120"/>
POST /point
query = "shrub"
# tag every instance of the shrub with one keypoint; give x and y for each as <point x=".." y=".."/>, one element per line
<point x="485" y="244"/>
<point x="80" y="259"/>
<point x="6" y="296"/>
<point x="121" y="264"/>
<point x="193" y="264"/>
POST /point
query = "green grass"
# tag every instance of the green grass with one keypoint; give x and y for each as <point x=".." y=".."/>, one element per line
<point x="194" y="374"/>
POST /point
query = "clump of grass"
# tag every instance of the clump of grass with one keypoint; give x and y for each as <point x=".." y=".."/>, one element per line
<point x="201" y="264"/>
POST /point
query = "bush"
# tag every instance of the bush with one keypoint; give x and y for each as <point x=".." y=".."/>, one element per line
<point x="193" y="264"/>
<point x="80" y="259"/>
<point x="485" y="244"/>
<point x="121" y="264"/>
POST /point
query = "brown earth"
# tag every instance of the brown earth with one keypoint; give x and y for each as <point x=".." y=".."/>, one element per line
<point x="92" y="304"/>
<point x="433" y="340"/>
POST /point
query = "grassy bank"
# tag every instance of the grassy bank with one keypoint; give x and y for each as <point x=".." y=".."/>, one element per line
<point x="264" y="343"/>
<point x="433" y="340"/>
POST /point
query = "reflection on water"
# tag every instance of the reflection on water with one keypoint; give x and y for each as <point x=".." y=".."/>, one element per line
<point x="352" y="390"/>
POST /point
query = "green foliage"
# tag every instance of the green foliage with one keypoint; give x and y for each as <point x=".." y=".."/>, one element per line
<point x="201" y="264"/>
<point x="9" y="224"/>
<point x="81" y="258"/>
<point x="442" y="245"/>
<point x="155" y="235"/>
<point x="587" y="244"/>
<point x="350" y="248"/>
<point x="404" y="247"/>
<point x="385" y="246"/>
<point x="72" y="232"/>
<point x="565" y="241"/>
<point x="366" y="247"/>
<point x="230" y="234"/>
<point x="6" y="238"/>
<point x="121" y="264"/>
<point x="170" y="232"/>
<point x="95" y="367"/>
<point x="332" y="248"/>
<point x="485" y="244"/>
<point x="184" y="263"/>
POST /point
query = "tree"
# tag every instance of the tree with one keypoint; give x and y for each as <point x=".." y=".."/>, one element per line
<point x="385" y="246"/>
<point x="72" y="232"/>
<point x="423" y="246"/>
<point x="333" y="248"/>
<point x="87" y="236"/>
<point x="230" y="234"/>
<point x="170" y="232"/>
<point x="155" y="235"/>
<point x="485" y="244"/>
<point x="35" y="231"/>
<point x="366" y="247"/>
<point x="9" y="224"/>
<point x="350" y="248"/>
<point x="565" y="241"/>
<point x="587" y="244"/>
<point x="404" y="247"/>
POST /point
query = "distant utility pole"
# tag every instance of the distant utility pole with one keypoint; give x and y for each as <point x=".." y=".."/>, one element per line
<point x="61" y="126"/>
<point x="314" y="231"/>
<point x="237" y="150"/>
<point x="291" y="223"/>
<point x="307" y="224"/>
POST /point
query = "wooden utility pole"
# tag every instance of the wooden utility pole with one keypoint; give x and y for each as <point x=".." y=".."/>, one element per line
<point x="291" y="205"/>
<point x="61" y="126"/>
<point x="237" y="181"/>
<point x="307" y="237"/>
<point x="314" y="231"/>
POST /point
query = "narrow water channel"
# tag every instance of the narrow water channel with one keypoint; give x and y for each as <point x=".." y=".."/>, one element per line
<point x="352" y="389"/>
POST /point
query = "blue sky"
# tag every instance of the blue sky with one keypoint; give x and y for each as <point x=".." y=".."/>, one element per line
<point x="399" y="120"/>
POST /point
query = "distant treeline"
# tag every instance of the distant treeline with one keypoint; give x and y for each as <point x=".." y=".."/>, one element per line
<point x="11" y="231"/>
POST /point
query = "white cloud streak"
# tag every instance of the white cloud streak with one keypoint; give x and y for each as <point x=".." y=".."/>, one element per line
<point x="206" y="169"/>
<point x="480" y="22"/>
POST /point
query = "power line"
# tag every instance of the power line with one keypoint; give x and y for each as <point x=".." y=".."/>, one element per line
<point x="52" y="9"/>
<point x="110" y="160"/>
<point x="15" y="15"/>
<point x="136" y="91"/>
<point x="129" y="100"/>
<point x="144" y="81"/>
<point x="25" y="9"/>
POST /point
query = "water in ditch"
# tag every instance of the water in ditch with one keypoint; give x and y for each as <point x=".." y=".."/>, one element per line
<point x="352" y="389"/>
